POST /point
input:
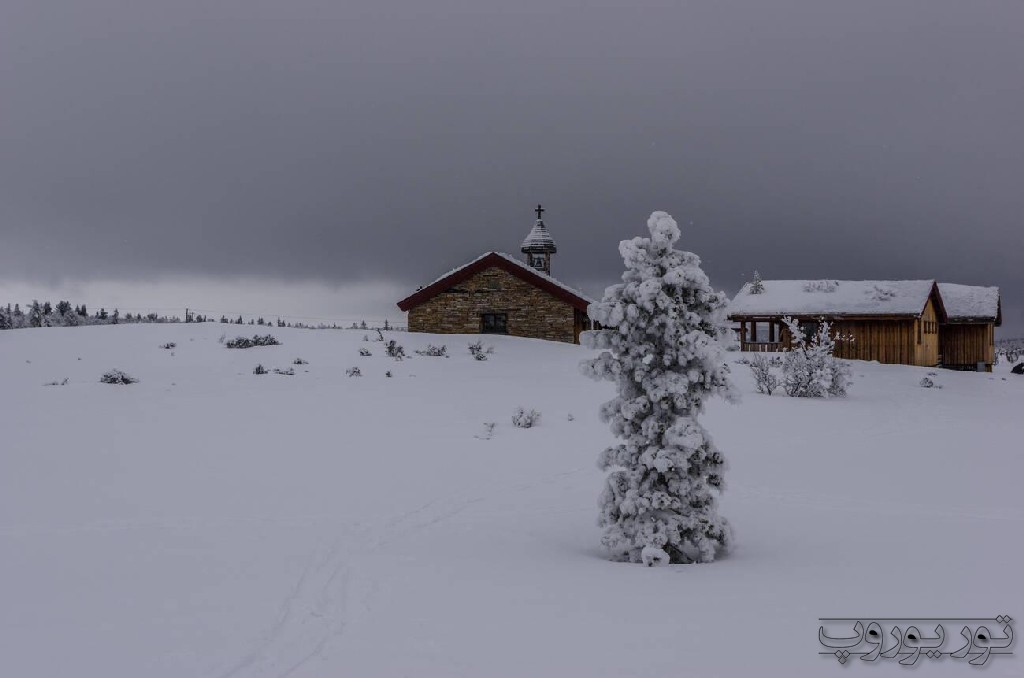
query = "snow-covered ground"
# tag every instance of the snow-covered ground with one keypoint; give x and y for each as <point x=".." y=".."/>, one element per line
<point x="208" y="522"/>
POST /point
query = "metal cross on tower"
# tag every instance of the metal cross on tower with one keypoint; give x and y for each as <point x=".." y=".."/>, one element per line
<point x="539" y="210"/>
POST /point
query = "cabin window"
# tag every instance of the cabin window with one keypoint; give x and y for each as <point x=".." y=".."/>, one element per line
<point x="764" y="333"/>
<point x="493" y="284"/>
<point x="494" y="323"/>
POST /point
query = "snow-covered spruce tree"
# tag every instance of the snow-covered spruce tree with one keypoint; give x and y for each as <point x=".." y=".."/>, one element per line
<point x="757" y="286"/>
<point x="660" y="338"/>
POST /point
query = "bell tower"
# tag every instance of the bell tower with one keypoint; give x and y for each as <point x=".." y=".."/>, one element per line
<point x="539" y="245"/>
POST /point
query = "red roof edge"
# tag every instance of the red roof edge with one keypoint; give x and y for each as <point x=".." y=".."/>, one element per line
<point x="492" y="259"/>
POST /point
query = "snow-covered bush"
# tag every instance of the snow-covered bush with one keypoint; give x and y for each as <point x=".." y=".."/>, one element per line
<point x="809" y="369"/>
<point x="764" y="378"/>
<point x="300" y="361"/>
<point x="394" y="350"/>
<point x="168" y="346"/>
<point x="927" y="383"/>
<point x="435" y="351"/>
<point x="365" y="352"/>
<point x="522" y="418"/>
<point x="388" y="374"/>
<point x="660" y="334"/>
<point x="353" y="372"/>
<point x="259" y="369"/>
<point x="117" y="377"/>
<point x="63" y="382"/>
<point x="257" y="340"/>
<point x="477" y="350"/>
<point x="289" y="372"/>
<point x="488" y="431"/>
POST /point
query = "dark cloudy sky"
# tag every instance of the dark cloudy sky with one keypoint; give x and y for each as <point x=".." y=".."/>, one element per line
<point x="350" y="150"/>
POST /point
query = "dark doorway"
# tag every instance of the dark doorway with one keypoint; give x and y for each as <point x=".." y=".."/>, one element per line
<point x="494" y="323"/>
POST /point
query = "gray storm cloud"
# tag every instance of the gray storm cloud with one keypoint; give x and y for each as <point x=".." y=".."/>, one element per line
<point x="349" y="141"/>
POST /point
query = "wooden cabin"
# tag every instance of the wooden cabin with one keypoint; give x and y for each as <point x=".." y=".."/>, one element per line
<point x="891" y="321"/>
<point x="497" y="293"/>
<point x="967" y="334"/>
<point x="907" y="322"/>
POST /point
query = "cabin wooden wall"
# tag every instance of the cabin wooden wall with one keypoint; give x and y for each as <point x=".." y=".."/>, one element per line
<point x="926" y="337"/>
<point x="887" y="341"/>
<point x="890" y="341"/>
<point x="966" y="345"/>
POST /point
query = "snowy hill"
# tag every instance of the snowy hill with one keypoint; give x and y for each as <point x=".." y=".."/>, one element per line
<point x="209" y="522"/>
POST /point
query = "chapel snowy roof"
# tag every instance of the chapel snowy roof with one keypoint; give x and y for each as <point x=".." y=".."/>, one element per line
<point x="539" y="240"/>
<point x="504" y="261"/>
<point x="970" y="302"/>
<point x="834" y="298"/>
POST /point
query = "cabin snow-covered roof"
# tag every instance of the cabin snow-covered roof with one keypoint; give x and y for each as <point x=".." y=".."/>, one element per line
<point x="970" y="302"/>
<point x="506" y="262"/>
<point x="834" y="298"/>
<point x="539" y="239"/>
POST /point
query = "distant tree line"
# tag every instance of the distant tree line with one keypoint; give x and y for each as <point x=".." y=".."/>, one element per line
<point x="63" y="314"/>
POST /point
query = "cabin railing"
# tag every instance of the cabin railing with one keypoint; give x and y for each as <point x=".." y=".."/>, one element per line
<point x="762" y="346"/>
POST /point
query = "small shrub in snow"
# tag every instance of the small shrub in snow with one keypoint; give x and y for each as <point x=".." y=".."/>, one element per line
<point x="388" y="374"/>
<point x="380" y="336"/>
<point x="300" y="361"/>
<point x="570" y="417"/>
<point x="765" y="380"/>
<point x="366" y="337"/>
<point x="659" y="503"/>
<point x="117" y="377"/>
<point x="1017" y="369"/>
<point x="434" y="351"/>
<point x="488" y="431"/>
<point x="928" y="383"/>
<point x="221" y="339"/>
<point x="353" y="372"/>
<point x="63" y="382"/>
<point x="365" y="352"/>
<point x="168" y="346"/>
<point x="286" y="372"/>
<point x="394" y="350"/>
<point x="257" y="340"/>
<point x="525" y="418"/>
<point x="809" y="369"/>
<point x="477" y="350"/>
<point x="259" y="369"/>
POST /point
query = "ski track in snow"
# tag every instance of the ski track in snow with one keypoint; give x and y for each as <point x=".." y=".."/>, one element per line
<point x="315" y="613"/>
<point x="312" y="614"/>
